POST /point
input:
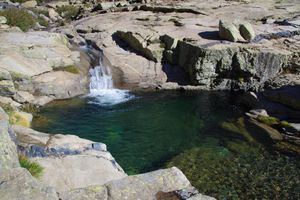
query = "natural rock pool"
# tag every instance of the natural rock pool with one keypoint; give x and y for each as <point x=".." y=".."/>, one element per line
<point x="202" y="133"/>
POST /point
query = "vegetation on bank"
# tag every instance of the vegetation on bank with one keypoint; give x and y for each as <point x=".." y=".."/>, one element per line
<point x="68" y="12"/>
<point x="20" y="18"/>
<point x="34" y="168"/>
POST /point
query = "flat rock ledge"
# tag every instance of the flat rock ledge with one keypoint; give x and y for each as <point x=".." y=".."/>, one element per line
<point x="75" y="168"/>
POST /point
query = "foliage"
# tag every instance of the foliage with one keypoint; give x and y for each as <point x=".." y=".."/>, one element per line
<point x="34" y="168"/>
<point x="7" y="108"/>
<point x="68" y="12"/>
<point x="19" y="17"/>
<point x="30" y="108"/>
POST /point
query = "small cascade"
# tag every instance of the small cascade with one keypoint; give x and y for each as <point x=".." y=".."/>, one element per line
<point x="100" y="78"/>
<point x="102" y="91"/>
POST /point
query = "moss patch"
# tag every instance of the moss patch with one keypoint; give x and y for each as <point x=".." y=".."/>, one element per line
<point x="69" y="68"/>
<point x="17" y="118"/>
<point x="34" y="168"/>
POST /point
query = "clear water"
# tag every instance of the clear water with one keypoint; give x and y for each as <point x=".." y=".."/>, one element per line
<point x="146" y="131"/>
<point x="159" y="129"/>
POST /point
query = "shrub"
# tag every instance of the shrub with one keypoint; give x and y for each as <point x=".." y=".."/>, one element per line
<point x="19" y="17"/>
<point x="34" y="168"/>
<point x="68" y="12"/>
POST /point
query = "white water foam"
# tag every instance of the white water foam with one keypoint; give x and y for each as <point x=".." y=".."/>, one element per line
<point x="102" y="91"/>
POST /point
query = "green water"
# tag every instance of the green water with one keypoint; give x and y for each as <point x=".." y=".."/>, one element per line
<point x="155" y="130"/>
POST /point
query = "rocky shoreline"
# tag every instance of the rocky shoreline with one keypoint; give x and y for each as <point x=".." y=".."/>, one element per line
<point x="149" y="45"/>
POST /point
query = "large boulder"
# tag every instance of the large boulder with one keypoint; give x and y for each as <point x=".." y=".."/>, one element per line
<point x="8" y="150"/>
<point x="147" y="43"/>
<point x="69" y="162"/>
<point x="29" y="4"/>
<point x="34" y="53"/>
<point x="60" y="84"/>
<point x="132" y="70"/>
<point x="17" y="183"/>
<point x="143" y="186"/>
<point x="229" y="31"/>
<point x="146" y="186"/>
<point x="247" y="31"/>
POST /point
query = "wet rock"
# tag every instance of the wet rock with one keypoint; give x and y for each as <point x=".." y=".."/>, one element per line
<point x="267" y="130"/>
<point x="229" y="31"/>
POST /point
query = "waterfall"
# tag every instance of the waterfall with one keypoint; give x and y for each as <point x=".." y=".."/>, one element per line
<point x="102" y="91"/>
<point x="100" y="78"/>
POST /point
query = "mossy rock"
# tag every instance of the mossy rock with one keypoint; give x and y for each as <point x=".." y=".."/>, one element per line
<point x="238" y="127"/>
<point x="20" y="118"/>
<point x="69" y="68"/>
<point x="287" y="147"/>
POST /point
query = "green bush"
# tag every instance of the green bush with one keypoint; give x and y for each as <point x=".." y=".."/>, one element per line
<point x="68" y="12"/>
<point x="34" y="168"/>
<point x="19" y="17"/>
